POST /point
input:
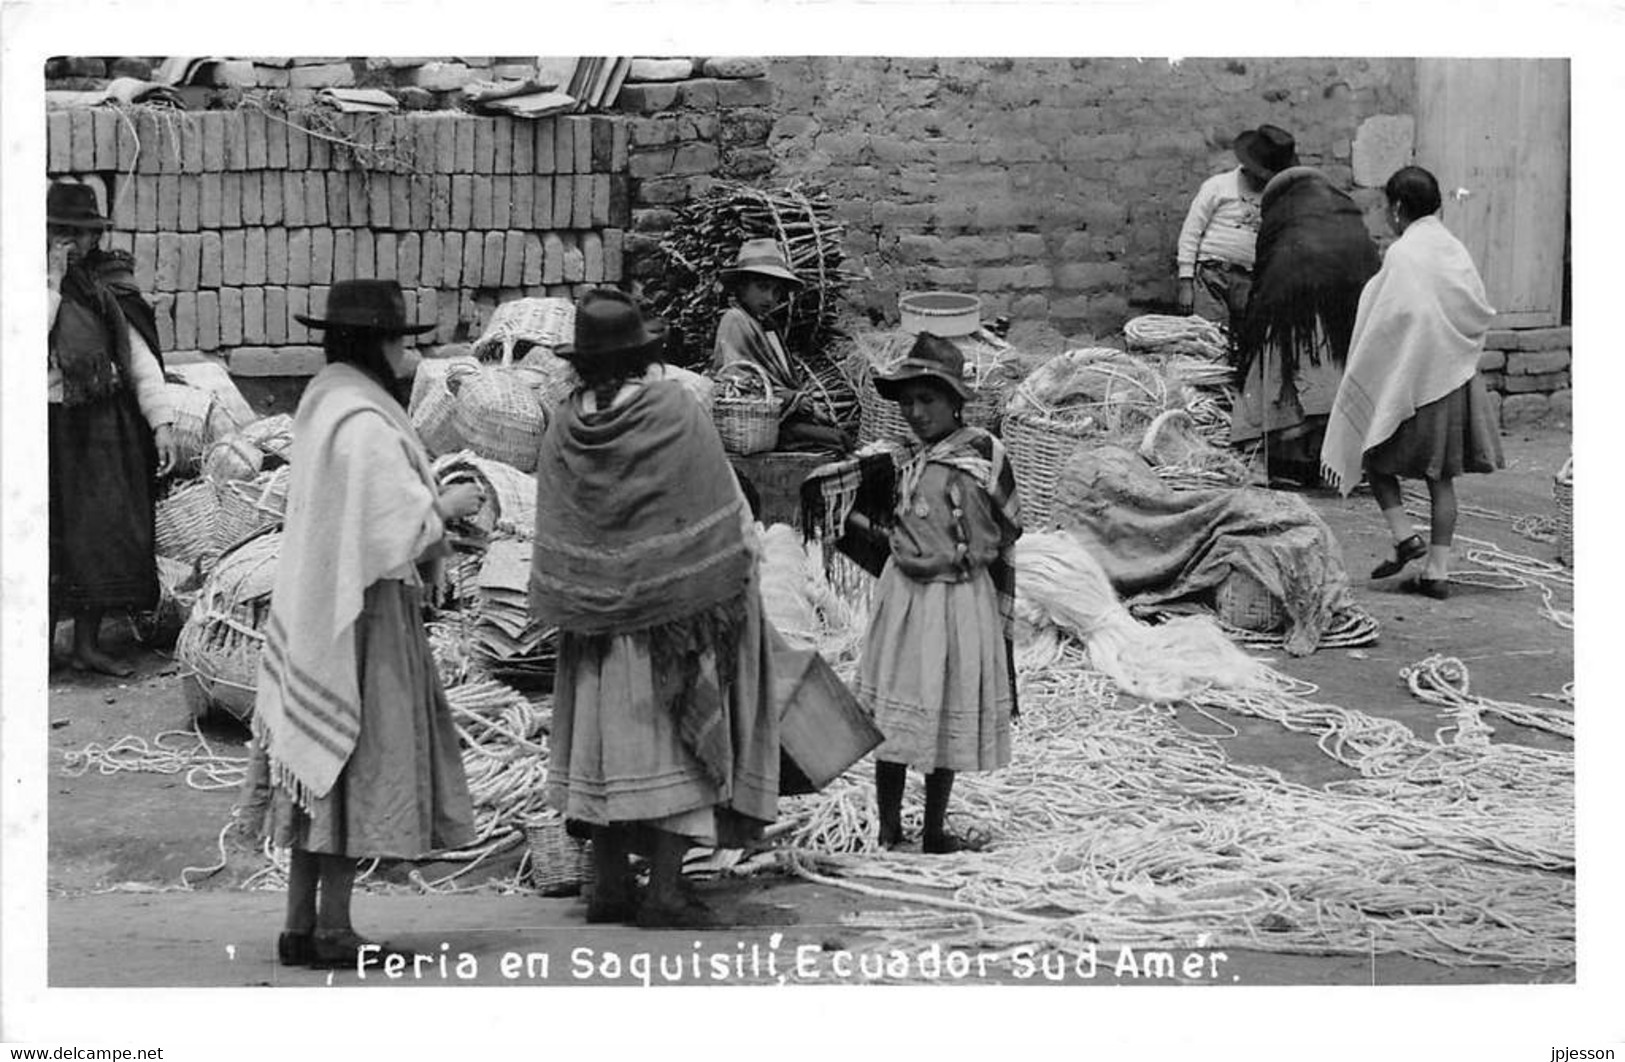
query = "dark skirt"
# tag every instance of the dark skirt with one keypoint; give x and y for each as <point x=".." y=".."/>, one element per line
<point x="1443" y="439"/>
<point x="403" y="792"/>
<point x="101" y="461"/>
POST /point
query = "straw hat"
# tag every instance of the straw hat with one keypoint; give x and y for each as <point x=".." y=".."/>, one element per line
<point x="366" y="306"/>
<point x="930" y="357"/>
<point x="608" y="322"/>
<point x="764" y="258"/>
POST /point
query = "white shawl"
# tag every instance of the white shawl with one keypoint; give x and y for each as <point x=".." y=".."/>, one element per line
<point x="1417" y="337"/>
<point x="361" y="507"/>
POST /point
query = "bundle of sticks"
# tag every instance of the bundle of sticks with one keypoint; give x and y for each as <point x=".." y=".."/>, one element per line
<point x="704" y="241"/>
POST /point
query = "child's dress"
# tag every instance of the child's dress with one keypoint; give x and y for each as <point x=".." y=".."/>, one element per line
<point x="934" y="669"/>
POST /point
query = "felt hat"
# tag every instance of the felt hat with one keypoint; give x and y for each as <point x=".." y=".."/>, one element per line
<point x="365" y="306"/>
<point x="73" y="205"/>
<point x="931" y="357"/>
<point x="762" y="257"/>
<point x="608" y="322"/>
<point x="1268" y="147"/>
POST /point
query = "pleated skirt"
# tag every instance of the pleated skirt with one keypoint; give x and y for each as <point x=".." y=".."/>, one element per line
<point x="1443" y="439"/>
<point x="403" y="792"/>
<point x="935" y="675"/>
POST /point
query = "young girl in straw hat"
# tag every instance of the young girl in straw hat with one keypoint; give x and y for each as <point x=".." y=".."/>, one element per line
<point x="936" y="667"/>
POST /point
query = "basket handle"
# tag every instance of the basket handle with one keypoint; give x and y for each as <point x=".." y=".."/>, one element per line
<point x="1148" y="443"/>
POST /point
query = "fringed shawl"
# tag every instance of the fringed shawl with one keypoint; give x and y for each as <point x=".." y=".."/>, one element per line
<point x="90" y="369"/>
<point x="1417" y="338"/>
<point x="1314" y="256"/>
<point x="360" y="506"/>
<point x="640" y="531"/>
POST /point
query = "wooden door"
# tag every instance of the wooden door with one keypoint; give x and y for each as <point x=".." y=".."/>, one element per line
<point x="1499" y="128"/>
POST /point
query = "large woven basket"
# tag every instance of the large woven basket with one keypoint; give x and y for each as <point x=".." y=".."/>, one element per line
<point x="545" y="322"/>
<point x="1244" y="602"/>
<point x="183" y="522"/>
<point x="747" y="422"/>
<point x="989" y="373"/>
<point x="498" y="416"/>
<point x="200" y="417"/>
<point x="250" y="506"/>
<point x="559" y="864"/>
<point x="1039" y="448"/>
<point x="433" y="405"/>
<point x="219" y="647"/>
<point x="1563" y="497"/>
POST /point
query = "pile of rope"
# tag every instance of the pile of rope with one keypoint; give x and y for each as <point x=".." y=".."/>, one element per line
<point x="1116" y="824"/>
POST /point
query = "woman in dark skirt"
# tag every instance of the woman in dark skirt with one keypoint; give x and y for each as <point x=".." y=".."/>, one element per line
<point x="1411" y="404"/>
<point x="109" y="433"/>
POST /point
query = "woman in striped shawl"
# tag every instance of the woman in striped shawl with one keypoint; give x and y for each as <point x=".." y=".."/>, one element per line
<point x="355" y="750"/>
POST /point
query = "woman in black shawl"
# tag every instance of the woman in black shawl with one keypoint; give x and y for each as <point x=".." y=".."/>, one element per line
<point x="1314" y="256"/>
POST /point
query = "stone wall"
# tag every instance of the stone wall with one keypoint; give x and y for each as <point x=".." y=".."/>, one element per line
<point x="241" y="219"/>
<point x="1528" y="372"/>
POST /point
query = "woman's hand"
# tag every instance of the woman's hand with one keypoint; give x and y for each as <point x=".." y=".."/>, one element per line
<point x="461" y="500"/>
<point x="169" y="454"/>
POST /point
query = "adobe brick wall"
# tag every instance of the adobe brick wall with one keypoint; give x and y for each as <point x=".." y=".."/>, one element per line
<point x="240" y="219"/>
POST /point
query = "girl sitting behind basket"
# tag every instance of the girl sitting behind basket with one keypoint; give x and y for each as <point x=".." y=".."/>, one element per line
<point x="936" y="669"/>
<point x="759" y="282"/>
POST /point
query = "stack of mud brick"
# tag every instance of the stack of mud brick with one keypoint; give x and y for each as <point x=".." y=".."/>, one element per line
<point x="240" y="220"/>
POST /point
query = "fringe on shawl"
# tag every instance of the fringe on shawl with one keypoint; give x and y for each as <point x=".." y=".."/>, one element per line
<point x="677" y="650"/>
<point x="281" y="775"/>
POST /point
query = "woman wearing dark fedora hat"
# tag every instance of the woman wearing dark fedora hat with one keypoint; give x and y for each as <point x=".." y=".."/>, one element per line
<point x="758" y="283"/>
<point x="663" y="730"/>
<point x="356" y="754"/>
<point x="937" y="668"/>
<point x="109" y="429"/>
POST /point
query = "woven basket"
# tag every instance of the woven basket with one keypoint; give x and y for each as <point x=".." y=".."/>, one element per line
<point x="235" y="457"/>
<point x="433" y="406"/>
<point x="1243" y="602"/>
<point x="223" y="660"/>
<point x="200" y="418"/>
<point x="546" y="322"/>
<point x="247" y="507"/>
<point x="559" y="864"/>
<point x="748" y="424"/>
<point x="219" y="647"/>
<point x="183" y="522"/>
<point x="1039" y="448"/>
<point x="273" y="435"/>
<point x="1563" y="496"/>
<point x="989" y="375"/>
<point x="177" y="591"/>
<point x="498" y="416"/>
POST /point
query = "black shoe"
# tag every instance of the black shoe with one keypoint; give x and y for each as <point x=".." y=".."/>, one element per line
<point x="293" y="949"/>
<point x="1411" y="549"/>
<point x="335" y="951"/>
<point x="1438" y="589"/>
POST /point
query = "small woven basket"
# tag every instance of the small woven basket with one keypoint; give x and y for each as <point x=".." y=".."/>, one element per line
<point x="200" y="417"/>
<point x="183" y="522"/>
<point x="177" y="591"/>
<point x="748" y="424"/>
<point x="1039" y="448"/>
<point x="1242" y="601"/>
<point x="1563" y="497"/>
<point x="273" y="435"/>
<point x="251" y="506"/>
<point x="1183" y="459"/>
<point x="559" y="864"/>
<point x="498" y="416"/>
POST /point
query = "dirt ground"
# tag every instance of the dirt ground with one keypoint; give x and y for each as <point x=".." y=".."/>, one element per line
<point x="114" y="839"/>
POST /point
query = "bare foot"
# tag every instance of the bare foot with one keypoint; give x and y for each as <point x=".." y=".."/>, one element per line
<point x="98" y="661"/>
